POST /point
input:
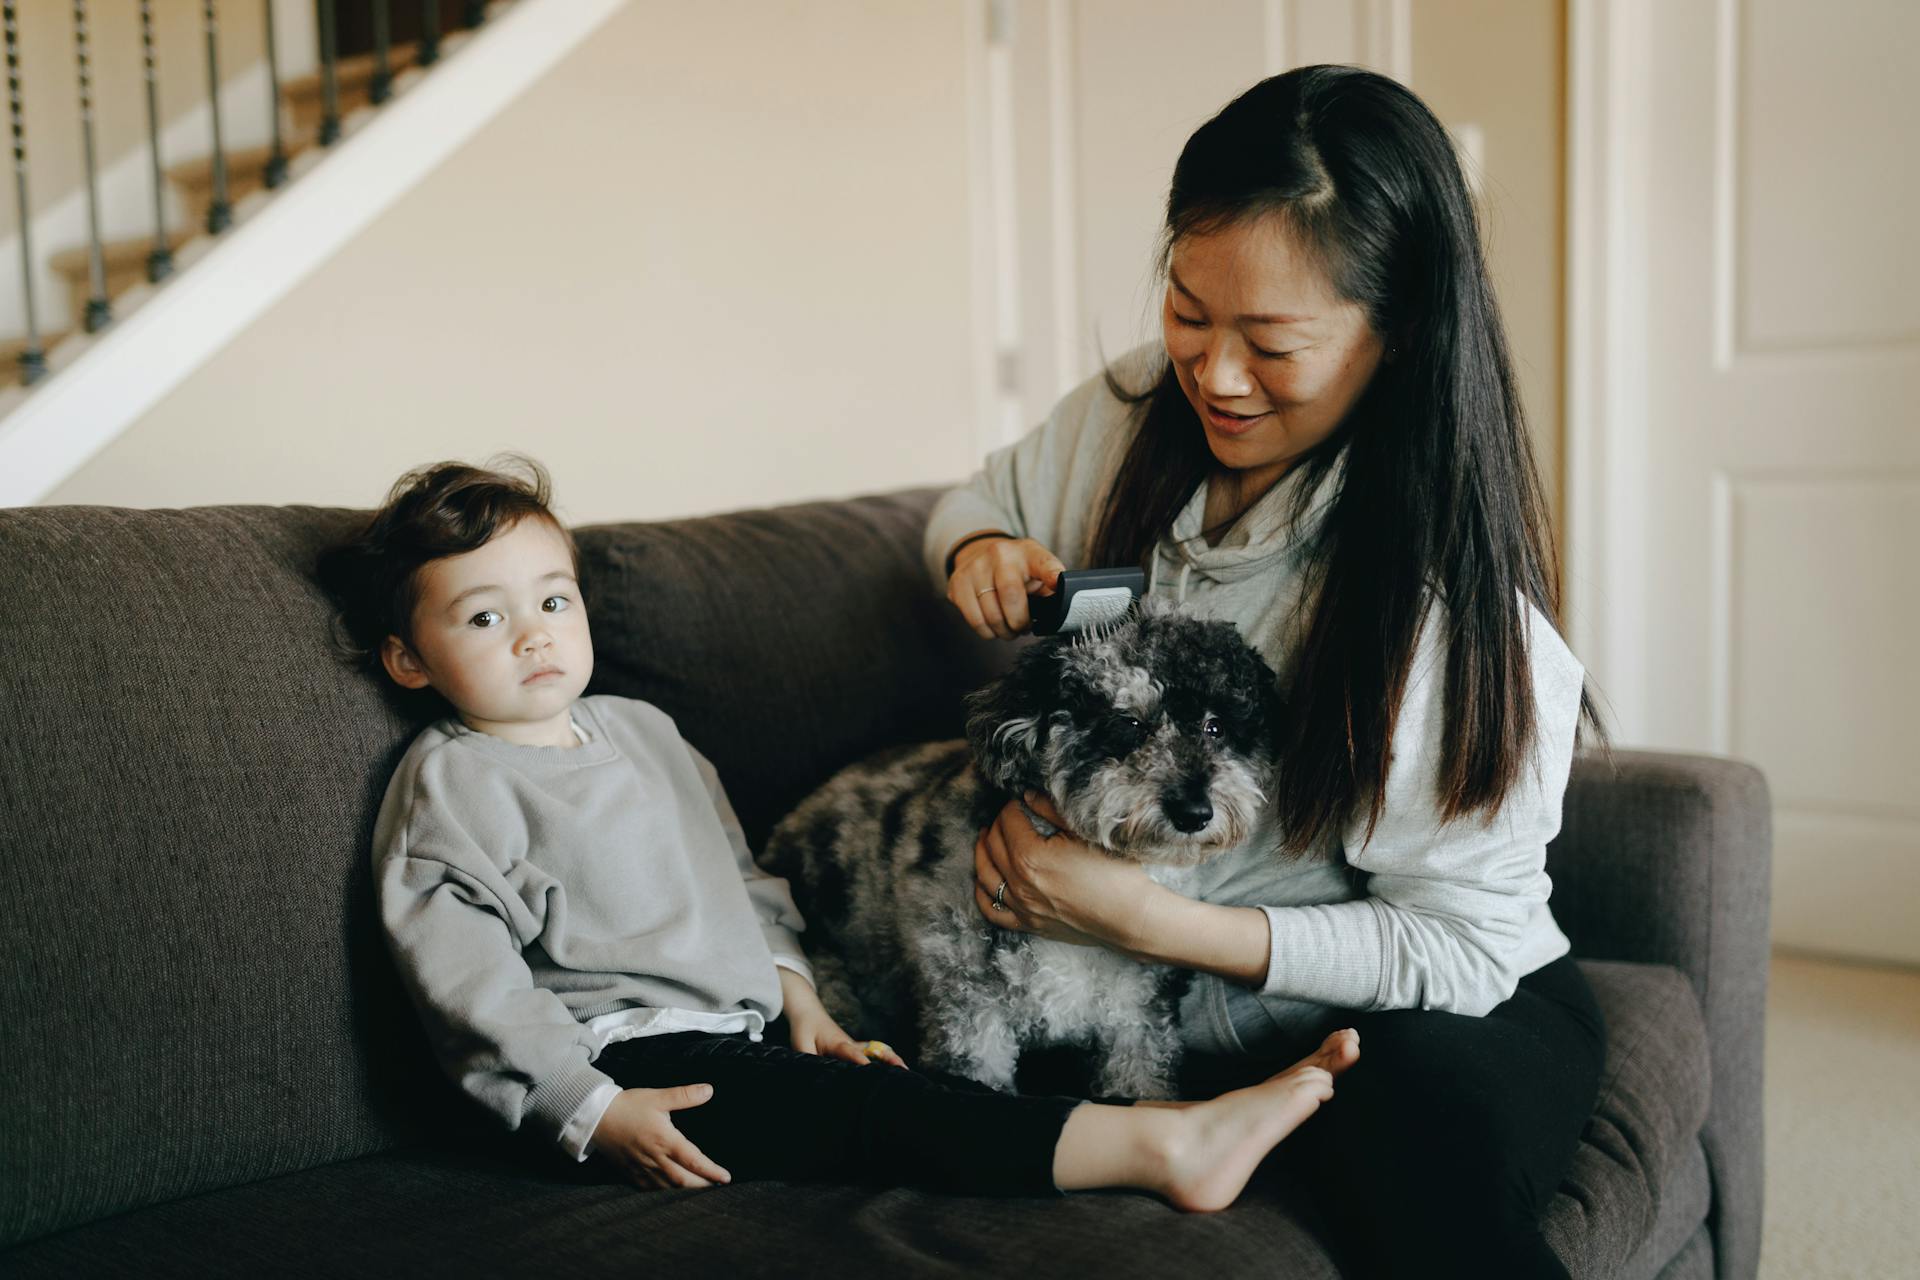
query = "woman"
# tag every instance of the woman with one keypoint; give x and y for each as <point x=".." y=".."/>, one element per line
<point x="1328" y="451"/>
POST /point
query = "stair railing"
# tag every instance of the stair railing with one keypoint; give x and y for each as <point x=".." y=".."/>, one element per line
<point x="99" y="257"/>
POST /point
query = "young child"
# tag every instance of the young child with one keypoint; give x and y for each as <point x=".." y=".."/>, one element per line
<point x="592" y="949"/>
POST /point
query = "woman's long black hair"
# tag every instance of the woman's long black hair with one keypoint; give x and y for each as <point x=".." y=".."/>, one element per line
<point x="1439" y="496"/>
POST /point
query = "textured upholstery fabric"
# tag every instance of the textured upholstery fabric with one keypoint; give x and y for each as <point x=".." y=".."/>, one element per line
<point x="1683" y="1212"/>
<point x="1668" y="859"/>
<point x="422" y="1216"/>
<point x="1640" y="1146"/>
<point x="484" y="1213"/>
<point x="195" y="996"/>
<point x="777" y="661"/>
<point x="1694" y="1261"/>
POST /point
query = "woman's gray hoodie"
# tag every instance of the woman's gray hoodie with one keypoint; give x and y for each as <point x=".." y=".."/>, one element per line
<point x="1424" y="914"/>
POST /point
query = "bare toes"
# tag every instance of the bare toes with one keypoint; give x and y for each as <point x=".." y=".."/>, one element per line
<point x="1337" y="1052"/>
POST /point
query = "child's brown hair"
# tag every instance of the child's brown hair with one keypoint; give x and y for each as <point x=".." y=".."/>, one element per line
<point x="432" y="512"/>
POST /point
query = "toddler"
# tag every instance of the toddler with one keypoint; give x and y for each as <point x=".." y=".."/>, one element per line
<point x="596" y="957"/>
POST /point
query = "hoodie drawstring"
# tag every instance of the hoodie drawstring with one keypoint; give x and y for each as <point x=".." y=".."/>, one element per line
<point x="1153" y="576"/>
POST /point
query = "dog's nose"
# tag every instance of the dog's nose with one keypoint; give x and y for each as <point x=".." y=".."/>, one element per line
<point x="1188" y="813"/>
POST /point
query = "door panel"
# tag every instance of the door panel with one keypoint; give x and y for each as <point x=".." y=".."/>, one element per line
<point x="1779" y="601"/>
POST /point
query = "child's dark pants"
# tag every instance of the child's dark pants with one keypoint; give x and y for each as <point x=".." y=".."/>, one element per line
<point x="778" y="1113"/>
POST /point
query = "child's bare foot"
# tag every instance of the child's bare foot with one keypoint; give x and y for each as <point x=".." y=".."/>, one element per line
<point x="1215" y="1146"/>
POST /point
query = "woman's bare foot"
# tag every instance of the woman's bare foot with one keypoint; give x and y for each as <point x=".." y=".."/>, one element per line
<point x="1214" y="1147"/>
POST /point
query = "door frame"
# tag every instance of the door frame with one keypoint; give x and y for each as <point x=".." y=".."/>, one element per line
<point x="1605" y="395"/>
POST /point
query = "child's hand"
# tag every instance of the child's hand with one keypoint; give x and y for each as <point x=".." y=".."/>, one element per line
<point x="637" y="1134"/>
<point x="815" y="1031"/>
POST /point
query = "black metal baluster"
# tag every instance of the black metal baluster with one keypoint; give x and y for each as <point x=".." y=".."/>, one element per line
<point x="429" y="33"/>
<point x="98" y="313"/>
<point x="329" y="74"/>
<point x="381" y="87"/>
<point x="276" y="171"/>
<point x="219" y="211"/>
<point x="160" y="257"/>
<point x="33" y="361"/>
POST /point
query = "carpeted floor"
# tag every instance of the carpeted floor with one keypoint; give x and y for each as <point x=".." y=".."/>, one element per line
<point x="1843" y="1121"/>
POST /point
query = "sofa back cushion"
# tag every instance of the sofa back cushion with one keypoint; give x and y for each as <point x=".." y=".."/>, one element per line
<point x="196" y="994"/>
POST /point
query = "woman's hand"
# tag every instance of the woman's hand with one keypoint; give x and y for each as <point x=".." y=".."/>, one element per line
<point x="992" y="579"/>
<point x="813" y="1029"/>
<point x="637" y="1134"/>
<point x="1058" y="886"/>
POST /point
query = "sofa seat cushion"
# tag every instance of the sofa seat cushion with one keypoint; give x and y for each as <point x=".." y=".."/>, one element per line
<point x="1640" y="1152"/>
<point x="423" y="1215"/>
<point x="1637" y="1184"/>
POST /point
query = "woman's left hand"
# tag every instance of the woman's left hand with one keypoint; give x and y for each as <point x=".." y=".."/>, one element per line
<point x="1058" y="886"/>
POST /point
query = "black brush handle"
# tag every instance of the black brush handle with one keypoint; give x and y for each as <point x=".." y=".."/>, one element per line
<point x="1051" y="613"/>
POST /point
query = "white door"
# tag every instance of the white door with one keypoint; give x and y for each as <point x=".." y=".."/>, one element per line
<point x="1089" y="103"/>
<point x="1745" y="410"/>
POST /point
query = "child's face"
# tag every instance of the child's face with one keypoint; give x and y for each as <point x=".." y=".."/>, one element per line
<point x="501" y="633"/>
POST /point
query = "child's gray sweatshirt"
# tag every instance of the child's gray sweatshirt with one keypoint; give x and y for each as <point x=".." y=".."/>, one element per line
<point x="1446" y="916"/>
<point x="533" y="895"/>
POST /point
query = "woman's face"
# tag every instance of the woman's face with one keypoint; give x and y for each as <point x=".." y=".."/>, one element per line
<point x="1270" y="357"/>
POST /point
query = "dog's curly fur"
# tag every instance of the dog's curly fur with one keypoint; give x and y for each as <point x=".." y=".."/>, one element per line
<point x="1154" y="740"/>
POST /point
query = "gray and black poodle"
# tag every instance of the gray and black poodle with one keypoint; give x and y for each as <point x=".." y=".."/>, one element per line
<point x="1152" y="737"/>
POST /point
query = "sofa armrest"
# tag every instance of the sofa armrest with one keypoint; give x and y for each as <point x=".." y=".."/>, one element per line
<point x="1667" y="859"/>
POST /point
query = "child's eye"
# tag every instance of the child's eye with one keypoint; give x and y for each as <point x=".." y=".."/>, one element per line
<point x="480" y="619"/>
<point x="556" y="604"/>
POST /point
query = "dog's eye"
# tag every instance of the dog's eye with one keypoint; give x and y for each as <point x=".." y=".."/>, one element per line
<point x="1211" y="727"/>
<point x="1133" y="722"/>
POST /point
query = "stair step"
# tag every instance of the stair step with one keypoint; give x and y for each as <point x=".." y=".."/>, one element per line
<point x="125" y="261"/>
<point x="305" y="95"/>
<point x="246" y="174"/>
<point x="10" y="349"/>
<point x="131" y="252"/>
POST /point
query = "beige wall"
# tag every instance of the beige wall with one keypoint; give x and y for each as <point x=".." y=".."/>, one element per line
<point x="724" y="256"/>
<point x="718" y="257"/>
<point x="50" y="85"/>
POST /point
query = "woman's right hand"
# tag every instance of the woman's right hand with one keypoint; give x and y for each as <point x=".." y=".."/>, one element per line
<point x="992" y="579"/>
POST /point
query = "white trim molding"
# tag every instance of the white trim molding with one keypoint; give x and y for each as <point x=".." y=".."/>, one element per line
<point x="1389" y="37"/>
<point x="1609" y="147"/>
<point x="130" y="367"/>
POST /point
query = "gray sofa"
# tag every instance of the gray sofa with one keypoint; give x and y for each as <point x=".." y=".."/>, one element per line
<point x="212" y="1070"/>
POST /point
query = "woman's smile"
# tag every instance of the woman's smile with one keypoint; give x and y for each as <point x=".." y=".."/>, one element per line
<point x="1228" y="423"/>
<point x="1251" y="323"/>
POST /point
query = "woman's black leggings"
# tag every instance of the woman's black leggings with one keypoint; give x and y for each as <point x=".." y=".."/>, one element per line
<point x="779" y="1113"/>
<point x="1445" y="1142"/>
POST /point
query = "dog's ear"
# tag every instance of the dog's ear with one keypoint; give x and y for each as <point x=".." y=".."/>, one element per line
<point x="1008" y="720"/>
<point x="1270" y="699"/>
<point x="1255" y="696"/>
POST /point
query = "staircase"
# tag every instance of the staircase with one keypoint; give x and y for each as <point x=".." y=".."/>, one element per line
<point x="127" y="262"/>
<point x="99" y="384"/>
